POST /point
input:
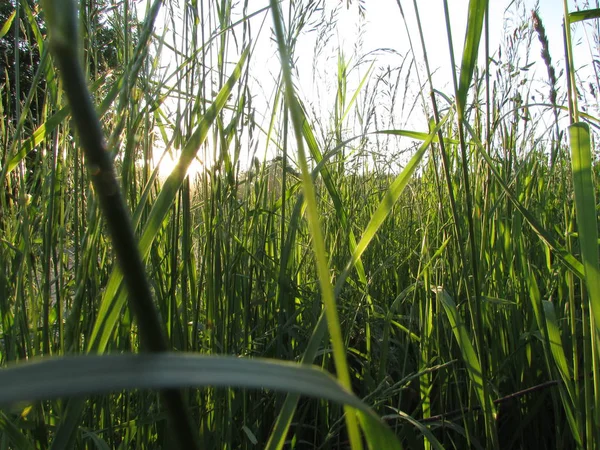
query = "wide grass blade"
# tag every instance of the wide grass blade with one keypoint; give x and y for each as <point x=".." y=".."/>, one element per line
<point x="477" y="10"/>
<point x="101" y="374"/>
<point x="586" y="14"/>
<point x="587" y="226"/>
<point x="585" y="203"/>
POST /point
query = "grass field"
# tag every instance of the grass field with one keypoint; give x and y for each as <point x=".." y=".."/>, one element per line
<point x="434" y="285"/>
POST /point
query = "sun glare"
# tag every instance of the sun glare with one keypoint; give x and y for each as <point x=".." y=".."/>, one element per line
<point x="166" y="163"/>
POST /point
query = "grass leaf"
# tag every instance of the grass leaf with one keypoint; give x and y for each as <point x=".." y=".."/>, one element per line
<point x="587" y="14"/>
<point x="477" y="11"/>
<point x="50" y="378"/>
<point x="585" y="202"/>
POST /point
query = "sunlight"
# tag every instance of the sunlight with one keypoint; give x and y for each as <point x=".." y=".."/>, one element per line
<point x="167" y="161"/>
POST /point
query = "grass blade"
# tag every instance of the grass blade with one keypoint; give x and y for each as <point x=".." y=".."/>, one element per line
<point x="327" y="295"/>
<point x="587" y="14"/>
<point x="84" y="375"/>
<point x="44" y="131"/>
<point x="587" y="225"/>
<point x="6" y="27"/>
<point x="477" y="10"/>
<point x="585" y="202"/>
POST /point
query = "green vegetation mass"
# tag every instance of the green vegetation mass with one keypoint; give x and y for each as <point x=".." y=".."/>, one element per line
<point x="328" y="279"/>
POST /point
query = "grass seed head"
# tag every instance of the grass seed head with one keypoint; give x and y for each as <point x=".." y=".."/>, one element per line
<point x="538" y="26"/>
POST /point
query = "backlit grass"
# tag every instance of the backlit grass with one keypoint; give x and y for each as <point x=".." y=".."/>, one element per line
<point x="338" y="279"/>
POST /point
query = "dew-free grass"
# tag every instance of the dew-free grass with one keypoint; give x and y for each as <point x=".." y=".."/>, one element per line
<point x="371" y="285"/>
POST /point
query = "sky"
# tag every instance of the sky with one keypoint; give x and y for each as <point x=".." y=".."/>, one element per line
<point x="385" y="39"/>
<point x="385" y="29"/>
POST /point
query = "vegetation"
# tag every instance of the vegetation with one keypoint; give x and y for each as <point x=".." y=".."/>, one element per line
<point x="368" y="284"/>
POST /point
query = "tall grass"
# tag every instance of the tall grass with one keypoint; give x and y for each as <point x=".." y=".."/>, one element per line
<point x="320" y="297"/>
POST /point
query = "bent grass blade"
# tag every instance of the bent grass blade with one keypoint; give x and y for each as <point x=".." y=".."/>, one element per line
<point x="84" y="375"/>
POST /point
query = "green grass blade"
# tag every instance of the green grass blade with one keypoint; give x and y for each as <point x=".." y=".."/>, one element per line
<point x="477" y="10"/>
<point x="379" y="436"/>
<point x="587" y="225"/>
<point x="587" y="14"/>
<point x="65" y="434"/>
<point x="383" y="210"/>
<point x="327" y="295"/>
<point x="585" y="203"/>
<point x="333" y="193"/>
<point x="284" y="419"/>
<point x="356" y="92"/>
<point x="97" y="440"/>
<point x="567" y="391"/>
<point x="419" y="135"/>
<point x="50" y="378"/>
<point x="45" y="130"/>
<point x="423" y="429"/>
<point x="552" y="343"/>
<point x="556" y="346"/>
<point x="6" y="27"/>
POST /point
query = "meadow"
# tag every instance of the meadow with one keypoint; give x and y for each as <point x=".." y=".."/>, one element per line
<point x="325" y="278"/>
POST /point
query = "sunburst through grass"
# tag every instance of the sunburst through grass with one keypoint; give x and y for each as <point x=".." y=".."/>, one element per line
<point x="166" y="162"/>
